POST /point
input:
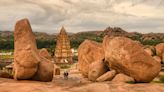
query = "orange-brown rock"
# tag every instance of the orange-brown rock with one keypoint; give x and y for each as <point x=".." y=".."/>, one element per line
<point x="5" y="75"/>
<point x="25" y="51"/>
<point x="88" y="52"/>
<point x="163" y="58"/>
<point x="45" y="70"/>
<point x="22" y="73"/>
<point x="56" y="70"/>
<point x="149" y="51"/>
<point x="96" y="69"/>
<point x="28" y="62"/>
<point x="128" y="57"/>
<point x="157" y="58"/>
<point x="159" y="49"/>
<point x="108" y="76"/>
<point x="44" y="54"/>
<point x="122" y="78"/>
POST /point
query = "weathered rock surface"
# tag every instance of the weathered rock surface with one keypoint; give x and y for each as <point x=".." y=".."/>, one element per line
<point x="159" y="49"/>
<point x="128" y="57"/>
<point x="25" y="51"/>
<point x="108" y="76"/>
<point x="149" y="51"/>
<point x="45" y="70"/>
<point x="5" y="75"/>
<point x="22" y="73"/>
<point x="45" y="54"/>
<point x="28" y="62"/>
<point x="56" y="70"/>
<point x="157" y="58"/>
<point x="88" y="52"/>
<point x="122" y="78"/>
<point x="96" y="69"/>
<point x="163" y="58"/>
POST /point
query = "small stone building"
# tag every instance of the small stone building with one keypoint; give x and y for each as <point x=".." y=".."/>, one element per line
<point x="63" y="53"/>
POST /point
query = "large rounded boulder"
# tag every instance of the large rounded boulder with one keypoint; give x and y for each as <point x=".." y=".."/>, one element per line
<point x="128" y="57"/>
<point x="88" y="52"/>
<point x="45" y="71"/>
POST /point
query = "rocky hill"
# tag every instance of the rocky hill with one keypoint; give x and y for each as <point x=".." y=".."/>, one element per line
<point x="116" y="31"/>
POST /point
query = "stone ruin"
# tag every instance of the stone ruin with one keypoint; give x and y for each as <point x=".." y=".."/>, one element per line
<point x="63" y="53"/>
<point x="117" y="59"/>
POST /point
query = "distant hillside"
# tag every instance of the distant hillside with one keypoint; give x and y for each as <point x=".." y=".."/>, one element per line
<point x="39" y="35"/>
<point x="45" y="40"/>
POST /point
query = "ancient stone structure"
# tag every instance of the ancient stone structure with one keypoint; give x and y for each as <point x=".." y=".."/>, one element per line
<point x="63" y="53"/>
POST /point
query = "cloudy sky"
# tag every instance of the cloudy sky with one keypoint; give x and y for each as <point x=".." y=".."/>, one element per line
<point x="84" y="15"/>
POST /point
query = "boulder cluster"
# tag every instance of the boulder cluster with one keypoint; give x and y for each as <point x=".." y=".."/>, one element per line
<point x="29" y="62"/>
<point x="119" y="59"/>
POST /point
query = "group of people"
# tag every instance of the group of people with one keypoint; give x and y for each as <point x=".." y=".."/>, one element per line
<point x="66" y="75"/>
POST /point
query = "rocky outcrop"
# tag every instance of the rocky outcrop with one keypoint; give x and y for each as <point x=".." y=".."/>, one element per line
<point x="26" y="58"/>
<point x="108" y="76"/>
<point x="5" y="75"/>
<point x="96" y="69"/>
<point x="56" y="70"/>
<point x="149" y="51"/>
<point x="123" y="78"/>
<point x="45" y="54"/>
<point x="88" y="52"/>
<point x="157" y="58"/>
<point x="128" y="57"/>
<point x="116" y="31"/>
<point x="163" y="58"/>
<point x="45" y="71"/>
<point x="27" y="61"/>
<point x="160" y="50"/>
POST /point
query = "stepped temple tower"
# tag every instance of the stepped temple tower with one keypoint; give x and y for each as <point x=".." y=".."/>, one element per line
<point x="63" y="53"/>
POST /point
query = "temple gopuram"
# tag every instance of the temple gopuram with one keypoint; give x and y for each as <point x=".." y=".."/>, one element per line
<point x="63" y="53"/>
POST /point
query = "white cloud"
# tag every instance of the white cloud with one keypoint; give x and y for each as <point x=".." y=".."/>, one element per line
<point x="79" y="15"/>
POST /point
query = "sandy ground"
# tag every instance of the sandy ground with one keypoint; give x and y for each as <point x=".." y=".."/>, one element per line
<point x="75" y="83"/>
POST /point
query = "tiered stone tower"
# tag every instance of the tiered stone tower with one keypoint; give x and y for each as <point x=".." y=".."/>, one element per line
<point x="63" y="53"/>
